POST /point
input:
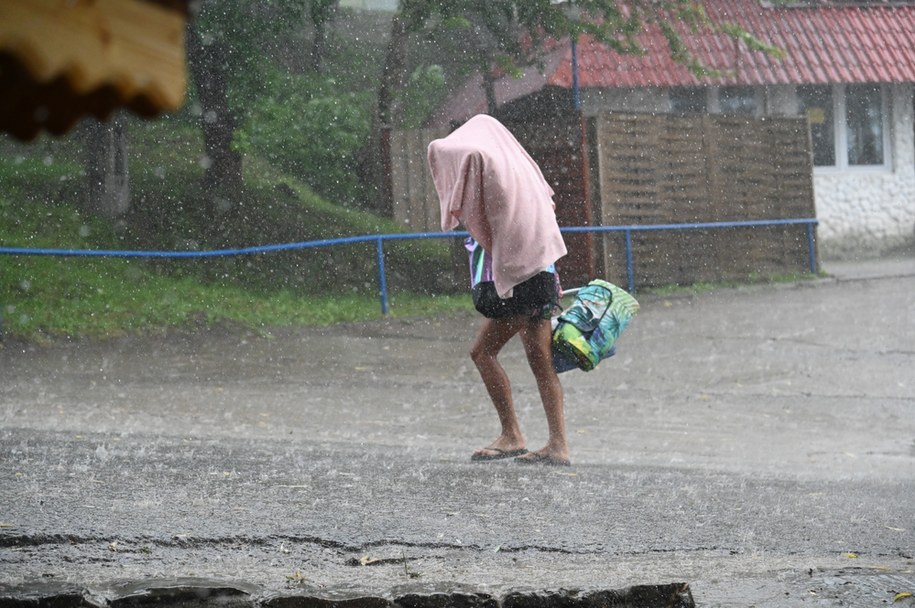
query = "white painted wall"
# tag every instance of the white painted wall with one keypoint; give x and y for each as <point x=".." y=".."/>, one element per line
<point x="868" y="211"/>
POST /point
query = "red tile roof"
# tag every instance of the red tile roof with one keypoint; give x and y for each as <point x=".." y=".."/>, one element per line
<point x="822" y="45"/>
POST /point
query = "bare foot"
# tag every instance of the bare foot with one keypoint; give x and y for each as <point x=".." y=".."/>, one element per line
<point x="544" y="457"/>
<point x="496" y="454"/>
<point x="503" y="447"/>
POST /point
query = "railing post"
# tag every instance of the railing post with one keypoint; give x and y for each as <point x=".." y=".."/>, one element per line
<point x="811" y="249"/>
<point x="630" y="266"/>
<point x="382" y="280"/>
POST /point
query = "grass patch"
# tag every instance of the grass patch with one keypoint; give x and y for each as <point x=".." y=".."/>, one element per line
<point x="103" y="298"/>
<point x="42" y="185"/>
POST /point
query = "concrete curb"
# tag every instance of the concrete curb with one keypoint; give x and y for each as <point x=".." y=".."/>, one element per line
<point x="190" y="595"/>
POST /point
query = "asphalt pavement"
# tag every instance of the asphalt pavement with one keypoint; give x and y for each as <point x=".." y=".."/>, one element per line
<point x="756" y="444"/>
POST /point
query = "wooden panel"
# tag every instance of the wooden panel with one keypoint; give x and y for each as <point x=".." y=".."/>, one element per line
<point x="414" y="200"/>
<point x="688" y="169"/>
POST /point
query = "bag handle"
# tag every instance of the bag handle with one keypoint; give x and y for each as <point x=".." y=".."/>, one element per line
<point x="478" y="256"/>
<point x="606" y="308"/>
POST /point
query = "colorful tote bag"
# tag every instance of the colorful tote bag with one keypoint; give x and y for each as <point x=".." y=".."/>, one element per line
<point x="586" y="332"/>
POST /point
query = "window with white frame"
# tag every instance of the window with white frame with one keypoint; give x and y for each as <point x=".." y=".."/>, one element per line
<point x="864" y="124"/>
<point x="848" y="124"/>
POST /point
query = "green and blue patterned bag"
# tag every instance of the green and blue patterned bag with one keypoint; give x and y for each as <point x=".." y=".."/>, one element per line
<point x="586" y="332"/>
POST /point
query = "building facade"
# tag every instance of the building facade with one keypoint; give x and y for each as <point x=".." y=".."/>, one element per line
<point x="863" y="142"/>
<point x="849" y="67"/>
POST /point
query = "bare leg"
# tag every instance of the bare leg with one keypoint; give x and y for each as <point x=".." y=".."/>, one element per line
<point x="491" y="338"/>
<point x="535" y="335"/>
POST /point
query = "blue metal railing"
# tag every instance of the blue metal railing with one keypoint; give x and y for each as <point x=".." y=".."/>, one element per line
<point x="379" y="240"/>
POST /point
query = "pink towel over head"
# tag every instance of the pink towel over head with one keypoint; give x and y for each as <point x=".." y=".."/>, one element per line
<point x="486" y="181"/>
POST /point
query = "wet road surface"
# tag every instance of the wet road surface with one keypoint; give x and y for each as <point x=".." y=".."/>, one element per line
<point x="757" y="443"/>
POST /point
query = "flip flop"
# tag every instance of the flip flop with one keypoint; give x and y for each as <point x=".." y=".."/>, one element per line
<point x="499" y="454"/>
<point x="544" y="459"/>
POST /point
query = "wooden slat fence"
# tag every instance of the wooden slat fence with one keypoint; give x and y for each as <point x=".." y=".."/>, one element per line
<point x="414" y="201"/>
<point x="659" y="169"/>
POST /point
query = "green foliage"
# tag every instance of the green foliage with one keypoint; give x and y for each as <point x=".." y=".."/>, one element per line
<point x="37" y="175"/>
<point x="31" y="214"/>
<point x="480" y="34"/>
<point x="427" y="89"/>
<point x="310" y="129"/>
<point x="253" y="32"/>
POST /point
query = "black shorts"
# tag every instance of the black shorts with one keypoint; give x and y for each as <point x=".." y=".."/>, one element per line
<point x="534" y="297"/>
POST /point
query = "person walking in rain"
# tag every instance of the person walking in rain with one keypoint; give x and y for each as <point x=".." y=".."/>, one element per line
<point x="488" y="182"/>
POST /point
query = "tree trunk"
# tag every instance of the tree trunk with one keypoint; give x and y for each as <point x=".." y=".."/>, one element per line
<point x="318" y="46"/>
<point x="106" y="168"/>
<point x="207" y="64"/>
<point x="489" y="88"/>
<point x="393" y="77"/>
<point x="322" y="12"/>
